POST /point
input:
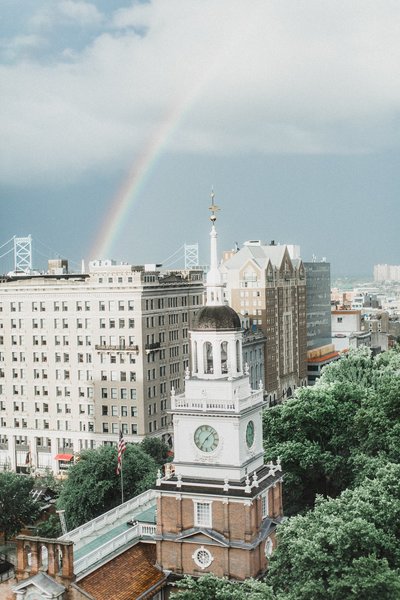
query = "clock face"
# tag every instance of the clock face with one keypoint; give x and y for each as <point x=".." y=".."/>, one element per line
<point x="206" y="438"/>
<point x="250" y="434"/>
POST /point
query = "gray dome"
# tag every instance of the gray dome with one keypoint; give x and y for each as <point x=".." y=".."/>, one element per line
<point x="216" y="317"/>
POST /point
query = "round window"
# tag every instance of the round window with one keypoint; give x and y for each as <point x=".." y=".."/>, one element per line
<point x="202" y="557"/>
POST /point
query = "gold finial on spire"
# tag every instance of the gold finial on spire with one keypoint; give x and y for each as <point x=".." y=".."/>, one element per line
<point x="214" y="208"/>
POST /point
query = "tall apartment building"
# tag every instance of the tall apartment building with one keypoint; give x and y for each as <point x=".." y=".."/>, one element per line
<point x="85" y="355"/>
<point x="386" y="272"/>
<point x="264" y="282"/>
<point x="318" y="303"/>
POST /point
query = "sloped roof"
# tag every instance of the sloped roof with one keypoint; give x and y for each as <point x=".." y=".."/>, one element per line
<point x="46" y="585"/>
<point x="127" y="577"/>
<point x="260" y="254"/>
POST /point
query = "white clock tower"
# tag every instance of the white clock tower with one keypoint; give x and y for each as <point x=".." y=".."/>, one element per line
<point x="218" y="504"/>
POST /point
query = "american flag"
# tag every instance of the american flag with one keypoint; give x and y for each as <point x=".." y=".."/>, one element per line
<point x="121" y="450"/>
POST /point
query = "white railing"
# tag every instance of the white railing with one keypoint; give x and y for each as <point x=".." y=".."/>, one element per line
<point x="135" y="532"/>
<point x="126" y="510"/>
<point x="147" y="529"/>
<point x="205" y="404"/>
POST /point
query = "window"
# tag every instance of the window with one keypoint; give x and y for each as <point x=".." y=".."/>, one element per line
<point x="269" y="546"/>
<point x="134" y="429"/>
<point x="264" y="504"/>
<point x="202" y="514"/>
<point x="202" y="557"/>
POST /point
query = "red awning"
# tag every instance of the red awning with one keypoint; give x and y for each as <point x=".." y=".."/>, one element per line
<point x="66" y="457"/>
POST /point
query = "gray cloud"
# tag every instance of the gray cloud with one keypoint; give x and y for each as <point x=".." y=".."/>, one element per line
<point x="268" y="77"/>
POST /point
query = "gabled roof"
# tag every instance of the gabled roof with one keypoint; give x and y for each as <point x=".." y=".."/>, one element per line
<point x="47" y="587"/>
<point x="129" y="576"/>
<point x="260" y="254"/>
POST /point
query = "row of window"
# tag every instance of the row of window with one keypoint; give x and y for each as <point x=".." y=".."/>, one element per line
<point x="118" y="411"/>
<point x="124" y="393"/>
<point x="79" y="305"/>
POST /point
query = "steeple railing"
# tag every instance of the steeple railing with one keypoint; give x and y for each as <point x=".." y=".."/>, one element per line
<point x="234" y="405"/>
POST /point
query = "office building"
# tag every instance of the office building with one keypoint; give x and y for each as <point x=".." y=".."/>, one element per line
<point x="265" y="283"/>
<point x="85" y="355"/>
<point x="318" y="303"/>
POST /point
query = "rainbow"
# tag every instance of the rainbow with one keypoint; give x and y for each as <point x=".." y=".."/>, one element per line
<point x="137" y="176"/>
<point x="142" y="166"/>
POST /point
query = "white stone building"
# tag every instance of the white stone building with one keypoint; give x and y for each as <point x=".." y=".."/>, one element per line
<point x="85" y="355"/>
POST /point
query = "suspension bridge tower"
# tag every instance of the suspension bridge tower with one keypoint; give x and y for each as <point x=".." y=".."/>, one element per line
<point x="23" y="254"/>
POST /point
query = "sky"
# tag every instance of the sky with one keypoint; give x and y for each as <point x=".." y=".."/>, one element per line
<point x="117" y="119"/>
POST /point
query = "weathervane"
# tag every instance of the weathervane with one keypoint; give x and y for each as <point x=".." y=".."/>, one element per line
<point x="213" y="208"/>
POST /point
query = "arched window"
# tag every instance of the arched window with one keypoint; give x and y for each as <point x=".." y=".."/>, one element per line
<point x="44" y="558"/>
<point x="28" y="556"/>
<point x="224" y="357"/>
<point x="238" y="357"/>
<point x="208" y="358"/>
<point x="59" y="558"/>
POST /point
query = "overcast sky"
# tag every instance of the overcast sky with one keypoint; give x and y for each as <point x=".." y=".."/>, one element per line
<point x="289" y="108"/>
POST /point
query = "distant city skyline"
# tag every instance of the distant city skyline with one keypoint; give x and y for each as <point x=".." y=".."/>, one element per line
<point x="118" y="118"/>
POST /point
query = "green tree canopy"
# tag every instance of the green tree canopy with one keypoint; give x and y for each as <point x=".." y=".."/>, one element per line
<point x="329" y="435"/>
<point x="348" y="547"/>
<point x="209" y="587"/>
<point x="156" y="448"/>
<point x="17" y="507"/>
<point x="93" y="487"/>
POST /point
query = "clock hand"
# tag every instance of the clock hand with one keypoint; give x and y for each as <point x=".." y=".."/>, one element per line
<point x="204" y="441"/>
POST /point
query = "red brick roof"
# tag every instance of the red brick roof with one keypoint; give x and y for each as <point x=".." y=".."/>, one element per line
<point x="126" y="577"/>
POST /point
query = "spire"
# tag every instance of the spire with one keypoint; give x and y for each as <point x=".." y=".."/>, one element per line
<point x="214" y="282"/>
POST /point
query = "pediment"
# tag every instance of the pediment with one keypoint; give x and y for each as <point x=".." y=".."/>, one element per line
<point x="203" y="536"/>
<point x="40" y="587"/>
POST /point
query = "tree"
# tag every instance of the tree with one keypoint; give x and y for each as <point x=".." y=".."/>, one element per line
<point x="347" y="547"/>
<point x="51" y="528"/>
<point x="327" y="433"/>
<point x="313" y="435"/>
<point x="155" y="448"/>
<point x="209" y="587"/>
<point x="93" y="487"/>
<point x="17" y="507"/>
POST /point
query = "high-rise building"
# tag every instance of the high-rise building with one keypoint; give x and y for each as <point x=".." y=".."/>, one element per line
<point x="386" y="272"/>
<point x="265" y="283"/>
<point x="83" y="356"/>
<point x="318" y="304"/>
